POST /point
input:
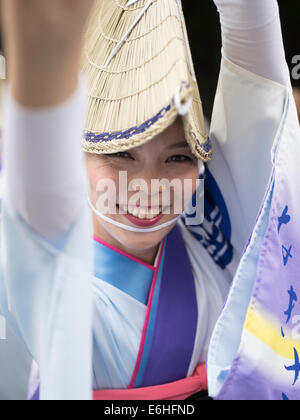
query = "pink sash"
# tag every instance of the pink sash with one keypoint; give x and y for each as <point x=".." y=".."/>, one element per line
<point x="179" y="390"/>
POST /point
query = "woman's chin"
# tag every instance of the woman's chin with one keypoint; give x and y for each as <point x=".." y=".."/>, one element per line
<point x="132" y="242"/>
<point x="141" y="241"/>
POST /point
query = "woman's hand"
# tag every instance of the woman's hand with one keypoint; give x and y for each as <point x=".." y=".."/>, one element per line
<point x="43" y="40"/>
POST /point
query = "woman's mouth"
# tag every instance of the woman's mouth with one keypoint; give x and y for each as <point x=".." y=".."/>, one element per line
<point x="141" y="216"/>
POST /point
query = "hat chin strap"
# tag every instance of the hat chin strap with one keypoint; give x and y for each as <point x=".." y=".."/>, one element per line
<point x="131" y="228"/>
<point x="201" y="168"/>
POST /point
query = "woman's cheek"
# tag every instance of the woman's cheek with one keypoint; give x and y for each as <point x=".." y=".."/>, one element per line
<point x="98" y="174"/>
<point x="190" y="183"/>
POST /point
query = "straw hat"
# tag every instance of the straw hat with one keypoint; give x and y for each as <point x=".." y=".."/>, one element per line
<point x="141" y="77"/>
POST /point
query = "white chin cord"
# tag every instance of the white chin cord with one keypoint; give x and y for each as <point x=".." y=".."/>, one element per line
<point x="131" y="228"/>
<point x="201" y="168"/>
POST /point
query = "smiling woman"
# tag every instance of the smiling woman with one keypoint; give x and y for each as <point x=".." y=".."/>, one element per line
<point x="127" y="310"/>
<point x="166" y="157"/>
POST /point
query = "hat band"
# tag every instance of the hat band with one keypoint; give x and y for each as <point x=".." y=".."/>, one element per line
<point x="127" y="134"/>
<point x="95" y="139"/>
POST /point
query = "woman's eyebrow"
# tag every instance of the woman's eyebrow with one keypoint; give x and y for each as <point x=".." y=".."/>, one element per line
<point x="180" y="145"/>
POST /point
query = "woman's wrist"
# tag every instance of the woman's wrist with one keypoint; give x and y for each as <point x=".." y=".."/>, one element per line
<point x="45" y="82"/>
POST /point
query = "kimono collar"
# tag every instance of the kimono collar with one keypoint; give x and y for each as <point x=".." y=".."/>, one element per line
<point x="128" y="274"/>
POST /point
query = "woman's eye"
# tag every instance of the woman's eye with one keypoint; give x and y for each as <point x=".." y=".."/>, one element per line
<point x="124" y="155"/>
<point x="179" y="158"/>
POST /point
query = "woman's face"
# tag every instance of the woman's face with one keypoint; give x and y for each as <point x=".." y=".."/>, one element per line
<point x="140" y="195"/>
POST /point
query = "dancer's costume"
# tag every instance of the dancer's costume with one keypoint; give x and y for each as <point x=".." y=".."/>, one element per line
<point x="151" y="326"/>
<point x="15" y="360"/>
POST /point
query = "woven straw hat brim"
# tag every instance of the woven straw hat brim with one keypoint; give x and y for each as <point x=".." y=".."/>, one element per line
<point x="131" y="100"/>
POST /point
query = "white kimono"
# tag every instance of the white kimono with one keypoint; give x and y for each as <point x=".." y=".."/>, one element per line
<point x="45" y="293"/>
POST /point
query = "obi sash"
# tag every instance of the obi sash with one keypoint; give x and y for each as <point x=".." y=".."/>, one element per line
<point x="255" y="349"/>
<point x="168" y="337"/>
<point x="175" y="391"/>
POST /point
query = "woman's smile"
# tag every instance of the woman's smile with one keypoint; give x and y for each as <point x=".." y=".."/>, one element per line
<point x="143" y="216"/>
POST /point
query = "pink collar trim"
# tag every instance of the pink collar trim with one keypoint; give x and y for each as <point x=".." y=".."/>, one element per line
<point x="123" y="253"/>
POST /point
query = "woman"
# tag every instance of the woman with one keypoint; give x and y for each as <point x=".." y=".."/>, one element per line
<point x="147" y="341"/>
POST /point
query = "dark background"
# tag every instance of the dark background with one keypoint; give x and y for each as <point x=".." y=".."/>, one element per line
<point x="205" y="37"/>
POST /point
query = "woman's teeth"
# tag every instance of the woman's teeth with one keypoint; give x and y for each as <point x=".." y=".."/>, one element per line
<point x="141" y="213"/>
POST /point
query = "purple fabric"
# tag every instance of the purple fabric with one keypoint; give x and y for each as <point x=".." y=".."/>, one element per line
<point x="251" y="385"/>
<point x="175" y="329"/>
<point x="176" y="320"/>
<point x="36" y="395"/>
<point x="276" y="293"/>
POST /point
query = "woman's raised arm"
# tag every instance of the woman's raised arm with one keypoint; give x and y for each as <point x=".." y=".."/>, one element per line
<point x="45" y="110"/>
<point x="45" y="277"/>
<point x="252" y="37"/>
<point x="43" y="47"/>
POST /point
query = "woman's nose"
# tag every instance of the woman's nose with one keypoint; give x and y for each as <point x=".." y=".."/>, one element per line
<point x="147" y="174"/>
<point x="148" y="181"/>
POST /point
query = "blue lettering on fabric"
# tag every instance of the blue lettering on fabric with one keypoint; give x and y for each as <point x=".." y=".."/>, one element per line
<point x="293" y="298"/>
<point x="295" y="368"/>
<point x="283" y="221"/>
<point x="286" y="254"/>
<point x="215" y="232"/>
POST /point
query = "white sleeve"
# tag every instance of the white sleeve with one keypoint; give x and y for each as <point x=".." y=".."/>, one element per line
<point x="46" y="248"/>
<point x="252" y="37"/>
<point x="252" y="93"/>
<point x="43" y="163"/>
